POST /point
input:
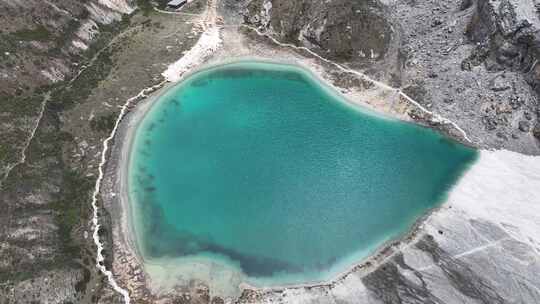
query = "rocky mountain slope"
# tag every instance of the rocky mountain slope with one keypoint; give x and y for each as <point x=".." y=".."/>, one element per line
<point x="43" y="47"/>
<point x="507" y="34"/>
<point x="42" y="43"/>
<point x="474" y="62"/>
<point x="103" y="52"/>
<point x="356" y="32"/>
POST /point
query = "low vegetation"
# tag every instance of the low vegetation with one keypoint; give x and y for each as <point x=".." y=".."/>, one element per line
<point x="104" y="123"/>
<point x="40" y="33"/>
<point x="145" y="6"/>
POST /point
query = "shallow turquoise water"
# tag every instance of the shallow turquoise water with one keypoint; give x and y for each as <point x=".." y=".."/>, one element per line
<point x="259" y="164"/>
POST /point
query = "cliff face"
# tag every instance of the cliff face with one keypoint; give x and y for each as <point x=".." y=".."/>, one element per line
<point x="352" y="31"/>
<point x="509" y="31"/>
<point x="508" y="35"/>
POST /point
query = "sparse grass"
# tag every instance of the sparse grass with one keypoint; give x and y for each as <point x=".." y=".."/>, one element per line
<point x="48" y="157"/>
<point x="20" y="105"/>
<point x="145" y="6"/>
<point x="106" y="33"/>
<point x="12" y="142"/>
<point x="7" y="44"/>
<point x="104" y="123"/>
<point x="67" y="97"/>
<point x="40" y="33"/>
<point x="65" y="38"/>
<point x="162" y="4"/>
<point x="82" y="88"/>
<point x="69" y="209"/>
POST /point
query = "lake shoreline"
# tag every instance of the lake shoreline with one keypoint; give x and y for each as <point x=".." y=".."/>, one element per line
<point x="129" y="129"/>
<point x="235" y="46"/>
<point x="453" y="217"/>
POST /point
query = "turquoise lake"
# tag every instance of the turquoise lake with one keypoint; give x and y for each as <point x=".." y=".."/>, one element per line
<point x="263" y="168"/>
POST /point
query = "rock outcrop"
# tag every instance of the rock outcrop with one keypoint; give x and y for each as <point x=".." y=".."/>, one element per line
<point x="44" y="256"/>
<point x="507" y="33"/>
<point x="510" y="29"/>
<point x="346" y="31"/>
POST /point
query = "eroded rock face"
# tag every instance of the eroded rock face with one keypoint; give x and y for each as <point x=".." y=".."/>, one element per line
<point x="510" y="29"/>
<point x="342" y="30"/>
<point x="507" y="34"/>
<point x="43" y="40"/>
<point x="46" y="255"/>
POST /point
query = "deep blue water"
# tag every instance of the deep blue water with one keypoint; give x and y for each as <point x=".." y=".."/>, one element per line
<point x="260" y="164"/>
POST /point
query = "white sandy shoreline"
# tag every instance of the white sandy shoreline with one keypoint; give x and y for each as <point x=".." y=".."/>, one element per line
<point x="151" y="267"/>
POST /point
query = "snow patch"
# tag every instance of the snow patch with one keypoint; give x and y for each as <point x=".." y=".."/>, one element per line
<point x="209" y="42"/>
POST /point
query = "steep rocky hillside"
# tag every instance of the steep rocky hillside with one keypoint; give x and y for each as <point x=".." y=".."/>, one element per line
<point x="43" y="40"/>
<point x="356" y="32"/>
<point x="507" y="33"/>
<point x="42" y="43"/>
<point x="103" y="53"/>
